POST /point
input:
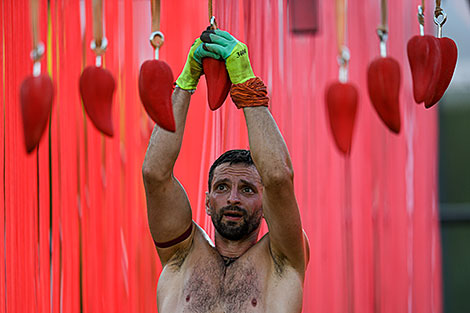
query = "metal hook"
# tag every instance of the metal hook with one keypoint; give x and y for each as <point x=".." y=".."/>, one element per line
<point x="36" y="55"/>
<point x="441" y="23"/>
<point x="213" y="23"/>
<point x="156" y="33"/>
<point x="157" y="47"/>
<point x="99" y="50"/>
<point x="343" y="62"/>
<point x="104" y="45"/>
<point x="421" y="20"/>
<point x="383" y="36"/>
<point x="37" y="52"/>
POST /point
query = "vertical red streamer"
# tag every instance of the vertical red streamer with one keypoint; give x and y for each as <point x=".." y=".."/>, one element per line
<point x="2" y="165"/>
<point x="42" y="243"/>
<point x="56" y="236"/>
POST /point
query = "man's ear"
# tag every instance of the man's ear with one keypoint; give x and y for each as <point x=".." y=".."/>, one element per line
<point x="207" y="204"/>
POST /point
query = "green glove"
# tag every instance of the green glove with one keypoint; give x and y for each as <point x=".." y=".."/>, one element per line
<point x="234" y="52"/>
<point x="192" y="70"/>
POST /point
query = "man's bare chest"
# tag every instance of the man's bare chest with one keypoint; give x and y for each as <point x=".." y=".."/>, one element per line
<point x="205" y="285"/>
<point x="211" y="286"/>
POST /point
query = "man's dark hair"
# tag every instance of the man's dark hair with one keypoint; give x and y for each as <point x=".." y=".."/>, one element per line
<point x="232" y="157"/>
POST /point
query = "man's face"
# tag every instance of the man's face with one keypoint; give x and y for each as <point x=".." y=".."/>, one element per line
<point x="235" y="200"/>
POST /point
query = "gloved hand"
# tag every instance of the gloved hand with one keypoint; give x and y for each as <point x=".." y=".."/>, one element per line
<point x="192" y="70"/>
<point x="234" y="52"/>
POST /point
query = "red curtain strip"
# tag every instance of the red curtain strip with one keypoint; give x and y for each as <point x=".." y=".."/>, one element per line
<point x="73" y="225"/>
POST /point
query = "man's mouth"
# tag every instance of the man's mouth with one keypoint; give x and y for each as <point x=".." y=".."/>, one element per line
<point x="233" y="215"/>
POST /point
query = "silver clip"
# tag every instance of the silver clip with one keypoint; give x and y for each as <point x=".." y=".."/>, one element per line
<point x="343" y="62"/>
<point x="37" y="52"/>
<point x="99" y="50"/>
<point x="383" y="36"/>
<point x="157" y="48"/>
<point x="421" y="20"/>
<point x="156" y="33"/>
<point x="104" y="44"/>
<point x="441" y="23"/>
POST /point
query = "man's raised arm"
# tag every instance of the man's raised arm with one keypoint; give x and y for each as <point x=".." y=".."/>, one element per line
<point x="168" y="209"/>
<point x="270" y="155"/>
<point x="268" y="150"/>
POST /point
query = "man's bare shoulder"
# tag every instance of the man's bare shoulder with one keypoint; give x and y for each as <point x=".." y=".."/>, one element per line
<point x="200" y="242"/>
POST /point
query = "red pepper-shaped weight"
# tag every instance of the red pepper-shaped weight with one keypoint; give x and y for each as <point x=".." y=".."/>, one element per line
<point x="341" y="103"/>
<point x="155" y="90"/>
<point x="383" y="82"/>
<point x="448" y="61"/>
<point x="218" y="82"/>
<point x="36" y="95"/>
<point x="97" y="89"/>
<point x="424" y="55"/>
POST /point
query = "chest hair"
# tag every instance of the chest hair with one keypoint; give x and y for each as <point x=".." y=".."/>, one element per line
<point x="211" y="285"/>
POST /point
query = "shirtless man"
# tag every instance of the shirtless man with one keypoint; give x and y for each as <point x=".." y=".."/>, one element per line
<point x="238" y="274"/>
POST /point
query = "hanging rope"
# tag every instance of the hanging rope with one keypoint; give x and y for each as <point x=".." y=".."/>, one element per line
<point x="34" y="7"/>
<point x="38" y="47"/>
<point x="98" y="24"/>
<point x="155" y="6"/>
<point x="383" y="25"/>
<point x="341" y="7"/>
<point x="421" y="18"/>
<point x="382" y="30"/>
<point x="99" y="43"/>
<point x="212" y="21"/>
<point x="156" y="37"/>
<point x="438" y="11"/>
<point x="341" y="31"/>
<point x="210" y="9"/>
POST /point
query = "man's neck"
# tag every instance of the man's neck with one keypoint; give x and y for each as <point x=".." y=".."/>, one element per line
<point x="234" y="249"/>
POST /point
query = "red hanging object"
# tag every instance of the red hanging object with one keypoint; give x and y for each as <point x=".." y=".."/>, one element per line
<point x="383" y="82"/>
<point x="424" y="55"/>
<point x="218" y="82"/>
<point x="155" y="89"/>
<point x="36" y="95"/>
<point x="341" y="103"/>
<point x="449" y="54"/>
<point x="96" y="89"/>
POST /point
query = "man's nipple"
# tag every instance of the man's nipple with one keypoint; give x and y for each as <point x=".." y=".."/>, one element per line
<point x="254" y="302"/>
<point x="188" y="297"/>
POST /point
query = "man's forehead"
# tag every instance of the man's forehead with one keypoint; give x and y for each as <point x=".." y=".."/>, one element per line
<point x="238" y="170"/>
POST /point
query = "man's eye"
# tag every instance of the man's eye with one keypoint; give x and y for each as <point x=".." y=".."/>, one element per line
<point x="221" y="187"/>
<point x="248" y="189"/>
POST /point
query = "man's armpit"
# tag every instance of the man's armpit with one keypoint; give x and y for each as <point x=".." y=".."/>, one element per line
<point x="177" y="260"/>
<point x="279" y="261"/>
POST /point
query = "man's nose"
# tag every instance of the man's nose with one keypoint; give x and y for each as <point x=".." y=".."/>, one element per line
<point x="234" y="196"/>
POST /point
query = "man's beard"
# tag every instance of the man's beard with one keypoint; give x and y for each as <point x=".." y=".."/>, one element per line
<point x="235" y="230"/>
